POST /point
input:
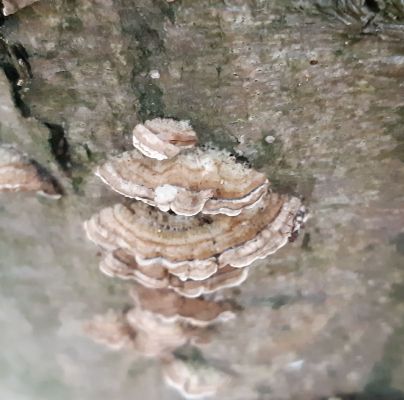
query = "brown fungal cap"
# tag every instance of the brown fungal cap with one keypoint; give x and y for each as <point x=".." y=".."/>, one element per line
<point x="210" y="182"/>
<point x="12" y="6"/>
<point x="19" y="173"/>
<point x="171" y="306"/>
<point x="163" y="138"/>
<point x="121" y="264"/>
<point x="199" y="243"/>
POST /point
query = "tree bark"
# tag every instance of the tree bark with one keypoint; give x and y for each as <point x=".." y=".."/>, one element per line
<point x="311" y="93"/>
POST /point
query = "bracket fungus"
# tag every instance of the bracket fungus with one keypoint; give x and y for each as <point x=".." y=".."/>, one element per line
<point x="159" y="323"/>
<point x="172" y="307"/>
<point x="197" y="245"/>
<point x="12" y="6"/>
<point x="202" y="220"/>
<point x="194" y="379"/>
<point x="210" y="182"/>
<point x="19" y="173"/>
<point x="120" y="264"/>
<point x="163" y="138"/>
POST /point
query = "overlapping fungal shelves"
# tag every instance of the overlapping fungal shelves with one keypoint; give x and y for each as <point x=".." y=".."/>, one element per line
<point x="159" y="322"/>
<point x="163" y="138"/>
<point x="208" y="182"/>
<point x="194" y="222"/>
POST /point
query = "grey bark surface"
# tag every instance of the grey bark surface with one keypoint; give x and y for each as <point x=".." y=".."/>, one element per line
<point x="322" y="317"/>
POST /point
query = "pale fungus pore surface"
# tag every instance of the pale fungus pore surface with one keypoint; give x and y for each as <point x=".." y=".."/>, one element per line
<point x="200" y="244"/>
<point x="12" y="6"/>
<point x="19" y="173"/>
<point x="163" y="138"/>
<point x="211" y="182"/>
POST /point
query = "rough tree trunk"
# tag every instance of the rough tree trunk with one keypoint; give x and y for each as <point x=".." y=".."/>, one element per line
<point x="325" y="315"/>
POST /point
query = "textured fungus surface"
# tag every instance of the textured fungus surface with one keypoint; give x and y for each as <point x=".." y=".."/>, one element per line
<point x="198" y="245"/>
<point x="172" y="307"/>
<point x="160" y="322"/>
<point x="19" y="173"/>
<point x="121" y="264"/>
<point x="163" y="138"/>
<point x="210" y="182"/>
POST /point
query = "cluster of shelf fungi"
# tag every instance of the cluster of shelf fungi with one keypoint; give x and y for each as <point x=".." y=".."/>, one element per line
<point x="191" y="223"/>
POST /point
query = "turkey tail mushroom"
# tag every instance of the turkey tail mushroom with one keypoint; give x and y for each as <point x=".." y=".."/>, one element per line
<point x="200" y="244"/>
<point x="163" y="138"/>
<point x="211" y="182"/>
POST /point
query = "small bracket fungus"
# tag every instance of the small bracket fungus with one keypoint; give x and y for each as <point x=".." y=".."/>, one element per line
<point x="163" y="138"/>
<point x="199" y="245"/>
<point x="12" y="6"/>
<point x="160" y="322"/>
<point x="194" y="379"/>
<point x="210" y="182"/>
<point x="19" y="173"/>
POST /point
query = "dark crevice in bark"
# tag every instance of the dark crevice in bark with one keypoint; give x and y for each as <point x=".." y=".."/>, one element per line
<point x="59" y="146"/>
<point x="372" y="6"/>
<point x="15" y="64"/>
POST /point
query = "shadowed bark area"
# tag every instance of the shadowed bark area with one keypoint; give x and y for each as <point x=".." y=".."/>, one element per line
<point x="308" y="92"/>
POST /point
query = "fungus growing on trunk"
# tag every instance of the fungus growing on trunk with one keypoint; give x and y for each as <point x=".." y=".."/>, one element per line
<point x="19" y="173"/>
<point x="159" y="323"/>
<point x="122" y="265"/>
<point x="172" y="307"/>
<point x="211" y="182"/>
<point x="198" y="245"/>
<point x="163" y="138"/>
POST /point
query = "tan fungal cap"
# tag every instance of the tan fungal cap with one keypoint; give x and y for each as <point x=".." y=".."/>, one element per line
<point x="12" y="6"/>
<point x="211" y="182"/>
<point x="226" y="277"/>
<point x="201" y="244"/>
<point x="163" y="138"/>
<point x="172" y="307"/>
<point x="122" y="265"/>
<point x="194" y="379"/>
<point x="19" y="173"/>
